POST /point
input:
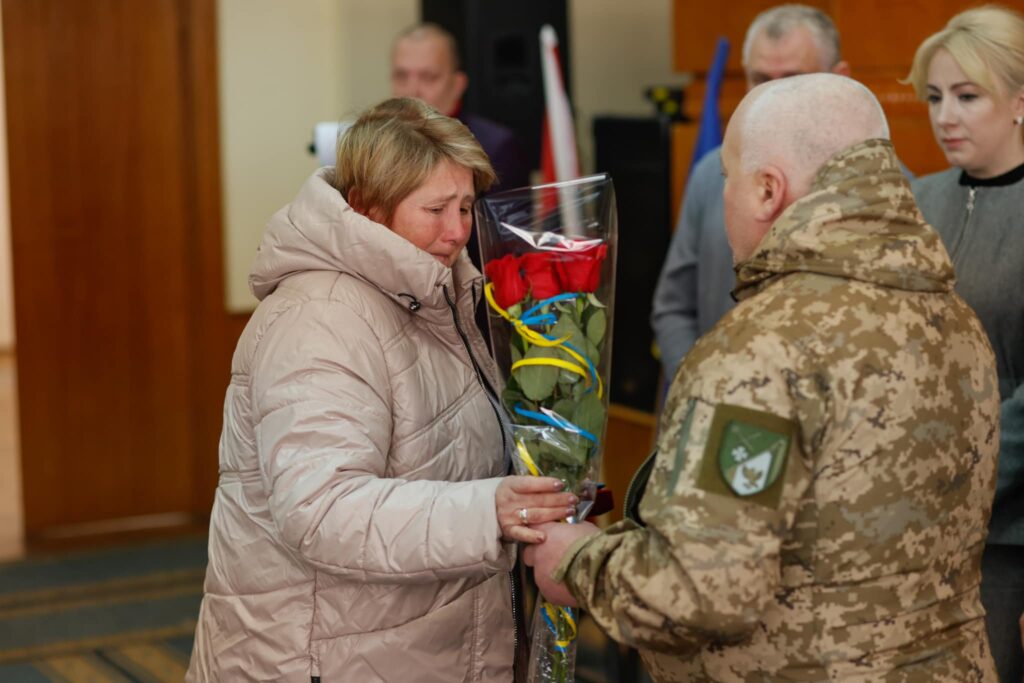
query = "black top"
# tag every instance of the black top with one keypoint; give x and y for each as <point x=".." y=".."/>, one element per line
<point x="1009" y="178"/>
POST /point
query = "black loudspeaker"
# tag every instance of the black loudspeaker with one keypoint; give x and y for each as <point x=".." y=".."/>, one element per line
<point x="636" y="152"/>
<point x="499" y="47"/>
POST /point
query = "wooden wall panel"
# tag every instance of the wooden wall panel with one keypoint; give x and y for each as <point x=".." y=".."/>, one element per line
<point x="629" y="440"/>
<point x="878" y="38"/>
<point x="882" y="35"/>
<point x="123" y="345"/>
<point x="698" y="25"/>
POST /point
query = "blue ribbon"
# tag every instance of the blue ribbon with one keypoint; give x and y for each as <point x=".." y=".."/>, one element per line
<point x="546" y="319"/>
<point x="567" y="296"/>
<point x="528" y="317"/>
<point x="553" y="629"/>
<point x="559" y="422"/>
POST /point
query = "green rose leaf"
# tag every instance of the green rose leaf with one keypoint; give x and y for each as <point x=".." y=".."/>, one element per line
<point x="565" y="408"/>
<point x="596" y="326"/>
<point x="515" y="310"/>
<point x="593" y="353"/>
<point x="517" y="355"/>
<point x="594" y="301"/>
<point x="550" y="456"/>
<point x="580" y="453"/>
<point x="566" y="327"/>
<point x="538" y="381"/>
<point x="565" y="308"/>
<point x="590" y="414"/>
<point x="510" y="397"/>
<point x="518" y="343"/>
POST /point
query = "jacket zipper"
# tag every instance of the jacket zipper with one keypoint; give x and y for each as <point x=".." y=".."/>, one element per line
<point x="502" y="426"/>
<point x="972" y="195"/>
<point x="643" y="474"/>
<point x="520" y="660"/>
<point x="492" y="395"/>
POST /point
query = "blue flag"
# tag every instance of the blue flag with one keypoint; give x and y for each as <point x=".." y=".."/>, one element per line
<point x="709" y="136"/>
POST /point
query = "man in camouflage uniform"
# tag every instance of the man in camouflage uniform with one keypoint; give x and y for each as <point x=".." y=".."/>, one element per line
<point x="817" y="506"/>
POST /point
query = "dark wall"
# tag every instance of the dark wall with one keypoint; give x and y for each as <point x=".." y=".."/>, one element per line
<point x="635" y="152"/>
<point x="499" y="47"/>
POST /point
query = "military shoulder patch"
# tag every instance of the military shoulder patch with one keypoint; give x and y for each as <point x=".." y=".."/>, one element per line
<point x="746" y="454"/>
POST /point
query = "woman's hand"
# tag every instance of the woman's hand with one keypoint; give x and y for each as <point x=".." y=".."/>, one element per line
<point x="522" y="501"/>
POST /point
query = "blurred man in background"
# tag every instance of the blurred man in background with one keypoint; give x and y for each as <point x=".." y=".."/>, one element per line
<point x="425" y="65"/>
<point x="694" y="290"/>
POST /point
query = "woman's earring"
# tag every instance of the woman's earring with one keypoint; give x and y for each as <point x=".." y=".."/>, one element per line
<point x="1019" y="120"/>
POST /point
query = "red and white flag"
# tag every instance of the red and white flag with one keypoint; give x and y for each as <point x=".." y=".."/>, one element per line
<point x="559" y="156"/>
<point x="559" y="159"/>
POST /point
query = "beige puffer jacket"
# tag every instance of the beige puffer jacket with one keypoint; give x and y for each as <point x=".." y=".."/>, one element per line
<point x="354" y="534"/>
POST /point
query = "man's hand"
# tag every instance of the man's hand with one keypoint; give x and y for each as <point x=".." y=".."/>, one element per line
<point x="544" y="558"/>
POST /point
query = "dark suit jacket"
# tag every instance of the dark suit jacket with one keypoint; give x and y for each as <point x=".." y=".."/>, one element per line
<point x="503" y="148"/>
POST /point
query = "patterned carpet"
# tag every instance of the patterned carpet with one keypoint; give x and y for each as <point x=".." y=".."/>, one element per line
<point x="117" y="615"/>
<point x="127" y="615"/>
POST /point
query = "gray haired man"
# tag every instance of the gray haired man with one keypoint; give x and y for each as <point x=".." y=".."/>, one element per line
<point x="694" y="288"/>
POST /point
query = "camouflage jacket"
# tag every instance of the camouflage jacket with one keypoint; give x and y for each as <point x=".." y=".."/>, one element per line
<point x="817" y="506"/>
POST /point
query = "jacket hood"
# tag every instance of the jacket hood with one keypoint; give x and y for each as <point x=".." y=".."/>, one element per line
<point x="320" y="231"/>
<point x="859" y="221"/>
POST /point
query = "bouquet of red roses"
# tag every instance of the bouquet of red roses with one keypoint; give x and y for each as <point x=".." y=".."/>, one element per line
<point x="549" y="258"/>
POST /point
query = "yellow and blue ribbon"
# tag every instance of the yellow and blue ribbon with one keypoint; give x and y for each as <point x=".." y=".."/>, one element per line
<point x="582" y="367"/>
<point x="555" y="420"/>
<point x="551" y="614"/>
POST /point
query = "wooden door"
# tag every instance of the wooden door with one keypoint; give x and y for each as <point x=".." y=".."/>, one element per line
<point x="123" y="345"/>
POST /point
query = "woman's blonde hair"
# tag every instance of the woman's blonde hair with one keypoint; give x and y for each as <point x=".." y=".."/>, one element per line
<point x="987" y="43"/>
<point x="392" y="147"/>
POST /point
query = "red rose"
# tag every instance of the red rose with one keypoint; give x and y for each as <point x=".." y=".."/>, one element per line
<point x="509" y="285"/>
<point x="539" y="269"/>
<point x="580" y="271"/>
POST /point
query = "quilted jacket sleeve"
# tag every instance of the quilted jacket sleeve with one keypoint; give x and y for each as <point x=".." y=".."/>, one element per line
<point x="321" y="402"/>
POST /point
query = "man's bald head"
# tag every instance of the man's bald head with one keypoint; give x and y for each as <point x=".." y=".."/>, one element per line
<point x="799" y="123"/>
<point x="781" y="134"/>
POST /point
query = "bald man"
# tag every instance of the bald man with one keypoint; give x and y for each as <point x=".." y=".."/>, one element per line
<point x="817" y="505"/>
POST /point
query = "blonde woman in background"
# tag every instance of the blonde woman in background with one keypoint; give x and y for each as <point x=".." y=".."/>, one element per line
<point x="362" y="529"/>
<point x="972" y="76"/>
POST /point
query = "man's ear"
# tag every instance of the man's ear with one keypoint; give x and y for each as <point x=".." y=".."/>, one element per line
<point x="842" y="69"/>
<point x="461" y="83"/>
<point x="772" y="186"/>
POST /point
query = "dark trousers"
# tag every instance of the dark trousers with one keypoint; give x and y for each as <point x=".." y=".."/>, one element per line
<point x="1002" y="594"/>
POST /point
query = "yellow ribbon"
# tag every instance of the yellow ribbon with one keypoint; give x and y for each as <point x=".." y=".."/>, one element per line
<point x="553" y="613"/>
<point x="538" y="339"/>
<point x="557" y="362"/>
<point x="527" y="458"/>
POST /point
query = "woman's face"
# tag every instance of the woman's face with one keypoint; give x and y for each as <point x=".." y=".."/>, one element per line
<point x="437" y="215"/>
<point x="975" y="127"/>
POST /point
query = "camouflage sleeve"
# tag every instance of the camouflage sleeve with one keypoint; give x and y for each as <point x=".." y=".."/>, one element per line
<point x="703" y="561"/>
